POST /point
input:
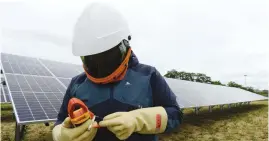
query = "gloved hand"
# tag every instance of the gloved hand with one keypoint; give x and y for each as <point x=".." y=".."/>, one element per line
<point x="144" y="121"/>
<point x="64" y="132"/>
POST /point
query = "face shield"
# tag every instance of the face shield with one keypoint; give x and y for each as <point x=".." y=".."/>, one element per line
<point x="108" y="66"/>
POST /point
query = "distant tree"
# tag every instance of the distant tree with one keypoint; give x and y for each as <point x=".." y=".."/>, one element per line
<point x="193" y="76"/>
<point x="251" y="89"/>
<point x="172" y="74"/>
<point x="179" y="75"/>
<point x="233" y="84"/>
<point x="263" y="92"/>
<point x="185" y="76"/>
<point x="257" y="91"/>
<point x="203" y="78"/>
<point x="189" y="76"/>
<point x="217" y="83"/>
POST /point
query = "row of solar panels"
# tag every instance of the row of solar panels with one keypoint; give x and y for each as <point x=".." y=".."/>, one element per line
<point x="37" y="87"/>
<point x="15" y="64"/>
<point x="184" y="101"/>
<point x="194" y="94"/>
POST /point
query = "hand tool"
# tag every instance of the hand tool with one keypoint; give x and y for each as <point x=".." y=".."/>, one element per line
<point x="79" y="113"/>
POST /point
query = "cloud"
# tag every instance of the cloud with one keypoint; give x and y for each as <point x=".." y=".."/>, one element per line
<point x="37" y="35"/>
<point x="223" y="39"/>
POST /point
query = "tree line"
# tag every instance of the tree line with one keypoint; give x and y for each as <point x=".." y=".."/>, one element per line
<point x="203" y="78"/>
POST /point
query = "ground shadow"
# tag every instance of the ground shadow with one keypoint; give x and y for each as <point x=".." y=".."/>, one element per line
<point x="7" y="114"/>
<point x="7" y="118"/>
<point x="6" y="106"/>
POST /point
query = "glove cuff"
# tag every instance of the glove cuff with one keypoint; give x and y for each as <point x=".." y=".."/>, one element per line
<point x="150" y="120"/>
<point x="56" y="132"/>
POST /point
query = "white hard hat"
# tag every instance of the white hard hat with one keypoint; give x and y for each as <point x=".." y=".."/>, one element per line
<point x="98" y="29"/>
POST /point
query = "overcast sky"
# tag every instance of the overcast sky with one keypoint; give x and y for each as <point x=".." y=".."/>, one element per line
<point x="224" y="39"/>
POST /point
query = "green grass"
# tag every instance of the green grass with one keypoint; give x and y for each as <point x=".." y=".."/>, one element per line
<point x="248" y="122"/>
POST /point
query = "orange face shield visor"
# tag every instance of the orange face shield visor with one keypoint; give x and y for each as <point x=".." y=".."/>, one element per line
<point x="117" y="75"/>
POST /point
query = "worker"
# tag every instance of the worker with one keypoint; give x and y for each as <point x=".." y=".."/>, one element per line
<point x="131" y="99"/>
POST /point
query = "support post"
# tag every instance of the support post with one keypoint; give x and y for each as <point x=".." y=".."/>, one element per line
<point x="221" y="107"/>
<point x="19" y="132"/>
<point x="196" y="110"/>
<point x="210" y="109"/>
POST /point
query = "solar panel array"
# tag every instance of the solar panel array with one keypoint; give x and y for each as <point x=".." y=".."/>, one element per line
<point x="23" y="65"/>
<point x="37" y="87"/>
<point x="194" y="94"/>
<point x="65" y="81"/>
<point x="62" y="70"/>
<point x="35" y="97"/>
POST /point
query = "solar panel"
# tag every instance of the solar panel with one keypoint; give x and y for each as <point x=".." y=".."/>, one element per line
<point x="35" y="98"/>
<point x="194" y="94"/>
<point x="62" y="70"/>
<point x="23" y="65"/>
<point x="35" y="93"/>
<point x="65" y="81"/>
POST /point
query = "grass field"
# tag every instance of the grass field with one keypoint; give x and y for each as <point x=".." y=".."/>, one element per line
<point x="246" y="123"/>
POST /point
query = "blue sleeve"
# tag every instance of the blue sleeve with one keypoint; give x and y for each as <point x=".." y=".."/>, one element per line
<point x="163" y="96"/>
<point x="63" y="110"/>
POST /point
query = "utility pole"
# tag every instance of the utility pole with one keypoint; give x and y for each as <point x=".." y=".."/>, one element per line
<point x="245" y="80"/>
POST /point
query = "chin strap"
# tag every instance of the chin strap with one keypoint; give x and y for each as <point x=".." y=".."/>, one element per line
<point x="117" y="75"/>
